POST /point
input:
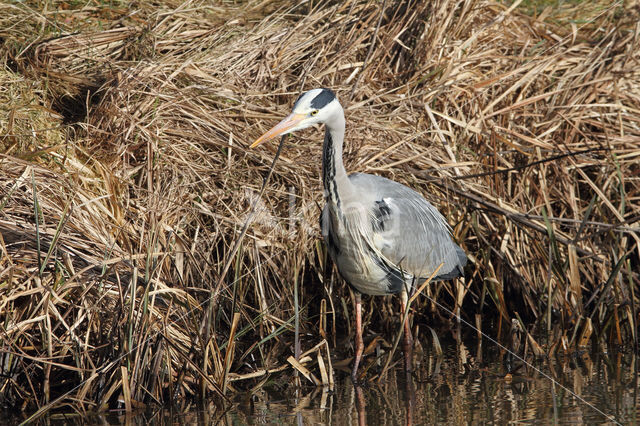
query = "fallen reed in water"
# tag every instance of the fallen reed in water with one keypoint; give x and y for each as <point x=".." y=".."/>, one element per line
<point x="125" y="180"/>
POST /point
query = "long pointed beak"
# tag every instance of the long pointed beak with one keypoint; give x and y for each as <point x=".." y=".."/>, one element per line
<point x="282" y="127"/>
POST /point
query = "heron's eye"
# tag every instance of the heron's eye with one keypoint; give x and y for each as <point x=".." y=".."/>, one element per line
<point x="314" y="112"/>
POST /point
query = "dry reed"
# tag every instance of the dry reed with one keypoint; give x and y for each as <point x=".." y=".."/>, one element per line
<point x="125" y="178"/>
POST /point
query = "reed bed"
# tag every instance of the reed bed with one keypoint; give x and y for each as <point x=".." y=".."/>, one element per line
<point x="126" y="179"/>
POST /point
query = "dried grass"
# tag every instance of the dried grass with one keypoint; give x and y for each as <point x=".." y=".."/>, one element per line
<point x="123" y="192"/>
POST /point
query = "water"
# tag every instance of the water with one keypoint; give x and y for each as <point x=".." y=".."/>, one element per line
<point x="468" y="384"/>
<point x="464" y="388"/>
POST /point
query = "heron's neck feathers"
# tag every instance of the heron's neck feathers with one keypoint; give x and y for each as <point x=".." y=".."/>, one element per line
<point x="337" y="186"/>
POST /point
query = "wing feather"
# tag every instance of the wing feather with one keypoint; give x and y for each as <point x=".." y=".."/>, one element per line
<point x="407" y="230"/>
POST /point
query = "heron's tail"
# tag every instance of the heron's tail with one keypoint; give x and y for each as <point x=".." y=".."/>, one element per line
<point x="462" y="256"/>
<point x="458" y="270"/>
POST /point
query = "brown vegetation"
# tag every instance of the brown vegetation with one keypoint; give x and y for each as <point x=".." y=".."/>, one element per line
<point x="125" y="179"/>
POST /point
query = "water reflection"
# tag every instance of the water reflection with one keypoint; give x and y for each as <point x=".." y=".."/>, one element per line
<point x="408" y="396"/>
<point x="464" y="386"/>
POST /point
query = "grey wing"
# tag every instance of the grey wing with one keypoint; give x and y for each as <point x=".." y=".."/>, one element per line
<point x="409" y="231"/>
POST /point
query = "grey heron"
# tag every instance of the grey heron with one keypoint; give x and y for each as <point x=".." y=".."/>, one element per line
<point x="383" y="236"/>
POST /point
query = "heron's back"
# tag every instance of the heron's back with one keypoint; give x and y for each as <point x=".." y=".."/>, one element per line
<point x="386" y="234"/>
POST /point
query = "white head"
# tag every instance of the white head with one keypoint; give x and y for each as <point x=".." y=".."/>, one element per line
<point x="312" y="107"/>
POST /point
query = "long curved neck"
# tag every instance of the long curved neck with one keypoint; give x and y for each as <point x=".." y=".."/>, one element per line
<point x="337" y="186"/>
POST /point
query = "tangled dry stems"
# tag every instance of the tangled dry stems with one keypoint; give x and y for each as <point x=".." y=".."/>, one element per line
<point x="126" y="178"/>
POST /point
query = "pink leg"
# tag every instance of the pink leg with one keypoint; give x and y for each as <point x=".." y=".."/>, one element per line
<point x="359" y="342"/>
<point x="360" y="405"/>
<point x="408" y="340"/>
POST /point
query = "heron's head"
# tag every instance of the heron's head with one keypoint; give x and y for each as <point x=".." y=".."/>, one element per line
<point x="312" y="107"/>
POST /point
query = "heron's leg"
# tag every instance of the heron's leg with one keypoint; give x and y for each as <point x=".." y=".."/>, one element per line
<point x="361" y="406"/>
<point x="359" y="343"/>
<point x="408" y="339"/>
<point x="410" y="398"/>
